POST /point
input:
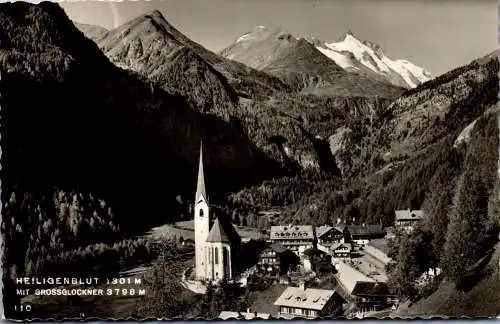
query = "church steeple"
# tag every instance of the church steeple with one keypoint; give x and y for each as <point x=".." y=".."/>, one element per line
<point x="200" y="187"/>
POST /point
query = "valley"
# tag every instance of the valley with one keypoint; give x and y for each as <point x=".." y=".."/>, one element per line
<point x="104" y="130"/>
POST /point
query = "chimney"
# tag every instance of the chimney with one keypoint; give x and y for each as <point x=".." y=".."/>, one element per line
<point x="339" y="220"/>
<point x="248" y="310"/>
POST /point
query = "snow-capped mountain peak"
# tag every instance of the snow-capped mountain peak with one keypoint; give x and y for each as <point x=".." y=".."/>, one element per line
<point x="355" y="55"/>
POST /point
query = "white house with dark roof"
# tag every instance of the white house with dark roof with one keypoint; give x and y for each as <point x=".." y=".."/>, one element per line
<point x="294" y="237"/>
<point x="307" y="303"/>
<point x="406" y="219"/>
<point x="216" y="246"/>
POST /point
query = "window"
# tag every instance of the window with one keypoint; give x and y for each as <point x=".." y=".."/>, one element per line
<point x="216" y="256"/>
<point x="225" y="255"/>
<point x="201" y="212"/>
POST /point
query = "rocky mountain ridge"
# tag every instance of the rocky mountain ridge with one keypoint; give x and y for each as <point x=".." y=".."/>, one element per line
<point x="300" y="64"/>
<point x="366" y="57"/>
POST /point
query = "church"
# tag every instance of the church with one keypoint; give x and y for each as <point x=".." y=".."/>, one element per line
<point x="217" y="243"/>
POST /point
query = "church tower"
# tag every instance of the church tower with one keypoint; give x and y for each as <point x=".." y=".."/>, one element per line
<point x="201" y="221"/>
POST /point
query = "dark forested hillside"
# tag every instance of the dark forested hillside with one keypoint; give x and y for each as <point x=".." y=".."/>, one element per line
<point x="74" y="120"/>
<point x="462" y="224"/>
<point x="92" y="154"/>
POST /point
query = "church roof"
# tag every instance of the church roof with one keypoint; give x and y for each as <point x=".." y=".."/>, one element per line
<point x="200" y="186"/>
<point x="223" y="232"/>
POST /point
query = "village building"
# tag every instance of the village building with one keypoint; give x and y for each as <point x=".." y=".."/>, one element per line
<point x="341" y="250"/>
<point x="317" y="261"/>
<point x="308" y="303"/>
<point x="294" y="237"/>
<point x="328" y="235"/>
<point x="217" y="245"/>
<point x="276" y="260"/>
<point x="368" y="294"/>
<point x="406" y="219"/>
<point x="361" y="235"/>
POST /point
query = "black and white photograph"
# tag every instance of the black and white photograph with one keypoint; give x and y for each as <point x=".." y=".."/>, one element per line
<point x="250" y="159"/>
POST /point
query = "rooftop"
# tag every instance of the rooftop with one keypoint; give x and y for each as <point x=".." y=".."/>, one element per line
<point x="340" y="245"/>
<point x="358" y="284"/>
<point x="364" y="229"/>
<point x="323" y="229"/>
<point x="409" y="214"/>
<point x="276" y="247"/>
<point x="349" y="277"/>
<point x="291" y="232"/>
<point x="223" y="231"/>
<point x="309" y="298"/>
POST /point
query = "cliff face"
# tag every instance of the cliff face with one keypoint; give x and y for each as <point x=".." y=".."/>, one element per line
<point x="443" y="106"/>
<point x="73" y="119"/>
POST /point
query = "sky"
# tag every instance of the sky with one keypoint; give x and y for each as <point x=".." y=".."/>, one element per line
<point x="437" y="35"/>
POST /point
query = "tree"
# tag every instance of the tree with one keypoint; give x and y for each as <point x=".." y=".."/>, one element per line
<point x="163" y="285"/>
<point x="466" y="231"/>
<point x="414" y="256"/>
<point x="470" y="230"/>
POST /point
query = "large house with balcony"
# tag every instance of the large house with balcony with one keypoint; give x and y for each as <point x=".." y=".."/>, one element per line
<point x="328" y="235"/>
<point x="276" y="260"/>
<point x="308" y="303"/>
<point x="294" y="237"/>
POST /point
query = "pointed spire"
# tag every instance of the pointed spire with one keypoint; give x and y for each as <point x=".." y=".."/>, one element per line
<point x="200" y="187"/>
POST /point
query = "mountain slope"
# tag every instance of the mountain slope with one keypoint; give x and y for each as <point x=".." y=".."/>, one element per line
<point x="144" y="45"/>
<point x="152" y="47"/>
<point x="92" y="32"/>
<point x="483" y="299"/>
<point x="392" y="158"/>
<point x="301" y="65"/>
<point x="246" y="81"/>
<point x="93" y="126"/>
<point x="355" y="55"/>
